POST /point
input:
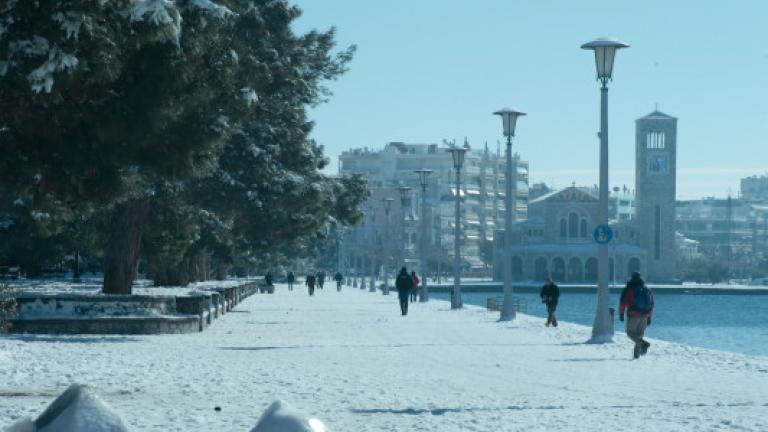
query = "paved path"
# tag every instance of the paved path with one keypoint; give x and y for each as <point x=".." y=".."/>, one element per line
<point x="350" y="359"/>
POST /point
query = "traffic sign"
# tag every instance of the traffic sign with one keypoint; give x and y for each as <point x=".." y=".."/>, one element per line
<point x="603" y="234"/>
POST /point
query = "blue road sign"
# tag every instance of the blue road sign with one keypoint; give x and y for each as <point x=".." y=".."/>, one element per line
<point x="603" y="234"/>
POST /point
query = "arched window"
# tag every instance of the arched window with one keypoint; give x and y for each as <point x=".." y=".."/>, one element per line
<point x="540" y="268"/>
<point x="573" y="225"/>
<point x="558" y="271"/>
<point x="563" y="229"/>
<point x="575" y="272"/>
<point x="583" y="228"/>
<point x="590" y="270"/>
<point x="517" y="267"/>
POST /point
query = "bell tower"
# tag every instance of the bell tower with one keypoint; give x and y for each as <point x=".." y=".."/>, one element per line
<point x="655" y="185"/>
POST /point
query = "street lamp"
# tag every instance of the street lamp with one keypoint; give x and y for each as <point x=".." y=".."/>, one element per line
<point x="605" y="51"/>
<point x="386" y="244"/>
<point x="372" y="248"/>
<point x="423" y="179"/>
<point x="458" y="160"/>
<point x="404" y="190"/>
<point x="509" y="121"/>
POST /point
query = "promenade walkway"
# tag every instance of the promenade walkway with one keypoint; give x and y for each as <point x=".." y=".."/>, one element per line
<point x="350" y="359"/>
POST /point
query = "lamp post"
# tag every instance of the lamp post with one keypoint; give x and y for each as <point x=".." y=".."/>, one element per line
<point x="340" y="252"/>
<point x="372" y="248"/>
<point x="605" y="51"/>
<point x="509" y="121"/>
<point x="458" y="160"/>
<point x="404" y="190"/>
<point x="423" y="179"/>
<point x="386" y="244"/>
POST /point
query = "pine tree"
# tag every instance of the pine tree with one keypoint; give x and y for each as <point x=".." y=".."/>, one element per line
<point x="169" y="115"/>
<point x="102" y="101"/>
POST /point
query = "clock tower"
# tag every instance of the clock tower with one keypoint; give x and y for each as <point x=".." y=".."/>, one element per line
<point x="655" y="185"/>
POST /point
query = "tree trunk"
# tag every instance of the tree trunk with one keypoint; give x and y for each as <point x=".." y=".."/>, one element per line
<point x="221" y="270"/>
<point x="122" y="255"/>
<point x="170" y="275"/>
<point x="76" y="274"/>
<point x="197" y="267"/>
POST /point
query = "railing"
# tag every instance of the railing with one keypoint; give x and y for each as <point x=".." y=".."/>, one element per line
<point x="495" y="303"/>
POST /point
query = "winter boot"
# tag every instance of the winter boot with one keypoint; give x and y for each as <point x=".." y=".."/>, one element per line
<point x="644" y="348"/>
<point x="636" y="352"/>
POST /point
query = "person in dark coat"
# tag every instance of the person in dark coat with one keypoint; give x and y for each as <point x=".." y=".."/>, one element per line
<point x="338" y="278"/>
<point x="320" y="279"/>
<point x="404" y="285"/>
<point x="550" y="295"/>
<point x="310" y="283"/>
<point x="268" y="278"/>
<point x="291" y="279"/>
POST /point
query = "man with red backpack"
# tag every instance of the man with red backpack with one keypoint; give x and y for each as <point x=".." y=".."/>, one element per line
<point x="638" y="299"/>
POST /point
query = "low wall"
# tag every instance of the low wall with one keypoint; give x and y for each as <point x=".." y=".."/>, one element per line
<point x="525" y="287"/>
<point x="125" y="314"/>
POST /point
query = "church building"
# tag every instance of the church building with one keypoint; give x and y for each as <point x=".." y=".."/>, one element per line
<point x="556" y="239"/>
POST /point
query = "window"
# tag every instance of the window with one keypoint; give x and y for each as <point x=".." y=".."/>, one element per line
<point x="655" y="140"/>
<point x="573" y="225"/>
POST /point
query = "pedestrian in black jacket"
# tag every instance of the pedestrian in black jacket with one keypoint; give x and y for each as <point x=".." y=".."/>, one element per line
<point x="310" y="282"/>
<point x="291" y="279"/>
<point x="550" y="294"/>
<point x="338" y="278"/>
<point x="404" y="285"/>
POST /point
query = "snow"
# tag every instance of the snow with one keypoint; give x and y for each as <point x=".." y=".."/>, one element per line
<point x="351" y="361"/>
<point x="281" y="417"/>
<point x="42" y="77"/>
<point x="92" y="285"/>
<point x="214" y="9"/>
<point x="249" y="95"/>
<point x="159" y="13"/>
<point x="77" y="409"/>
<point x="70" y="22"/>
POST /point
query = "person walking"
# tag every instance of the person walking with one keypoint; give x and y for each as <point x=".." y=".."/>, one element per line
<point x="638" y="300"/>
<point x="310" y="283"/>
<point x="550" y="295"/>
<point x="291" y="279"/>
<point x="268" y="278"/>
<point x="404" y="285"/>
<point x="415" y="289"/>
<point x="320" y="279"/>
<point x="338" y="278"/>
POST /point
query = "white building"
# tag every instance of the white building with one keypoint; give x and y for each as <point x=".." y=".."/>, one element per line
<point x="482" y="194"/>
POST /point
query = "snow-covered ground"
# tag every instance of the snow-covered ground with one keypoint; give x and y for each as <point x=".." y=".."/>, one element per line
<point x="350" y="359"/>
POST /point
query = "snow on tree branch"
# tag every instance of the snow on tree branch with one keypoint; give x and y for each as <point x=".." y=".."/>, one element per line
<point x="42" y="77"/>
<point x="214" y="9"/>
<point x="160" y="13"/>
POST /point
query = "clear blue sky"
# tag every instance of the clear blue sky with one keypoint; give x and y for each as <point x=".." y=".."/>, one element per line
<point x="427" y="70"/>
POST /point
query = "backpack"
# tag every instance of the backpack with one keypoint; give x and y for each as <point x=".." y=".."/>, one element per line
<point x="641" y="300"/>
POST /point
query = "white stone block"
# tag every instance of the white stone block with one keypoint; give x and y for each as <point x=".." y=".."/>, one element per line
<point x="280" y="417"/>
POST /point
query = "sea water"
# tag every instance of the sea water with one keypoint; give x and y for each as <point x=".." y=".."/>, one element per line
<point x="735" y="323"/>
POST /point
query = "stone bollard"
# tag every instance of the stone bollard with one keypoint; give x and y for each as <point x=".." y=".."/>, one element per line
<point x="192" y="305"/>
<point x="77" y="409"/>
<point x="215" y="303"/>
<point x="280" y="417"/>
